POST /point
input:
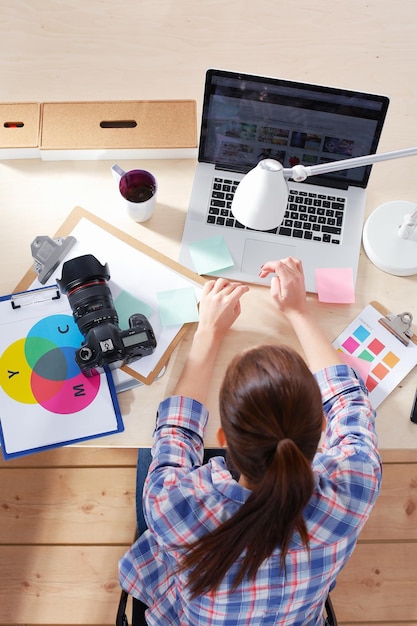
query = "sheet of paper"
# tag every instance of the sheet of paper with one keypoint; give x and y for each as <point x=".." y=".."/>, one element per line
<point x="210" y="255"/>
<point x="335" y="285"/>
<point x="126" y="304"/>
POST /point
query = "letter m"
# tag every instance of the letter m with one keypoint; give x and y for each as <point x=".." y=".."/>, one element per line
<point x="79" y="390"/>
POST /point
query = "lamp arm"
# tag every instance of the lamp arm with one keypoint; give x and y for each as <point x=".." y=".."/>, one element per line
<point x="408" y="225"/>
<point x="301" y="172"/>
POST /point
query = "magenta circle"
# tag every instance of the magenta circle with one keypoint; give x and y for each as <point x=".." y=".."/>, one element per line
<point x="65" y="397"/>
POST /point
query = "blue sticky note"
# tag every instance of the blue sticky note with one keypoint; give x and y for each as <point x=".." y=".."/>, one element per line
<point x="126" y="305"/>
<point x="210" y="255"/>
<point x="177" y="306"/>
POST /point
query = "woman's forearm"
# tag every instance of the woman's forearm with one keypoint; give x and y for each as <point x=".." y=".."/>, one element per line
<point x="196" y="374"/>
<point x="317" y="348"/>
<point x="219" y="308"/>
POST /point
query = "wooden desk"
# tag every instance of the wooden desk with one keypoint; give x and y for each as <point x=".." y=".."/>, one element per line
<point x="36" y="196"/>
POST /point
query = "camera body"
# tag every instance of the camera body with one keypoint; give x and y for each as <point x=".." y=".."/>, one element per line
<point x="85" y="281"/>
<point x="107" y="344"/>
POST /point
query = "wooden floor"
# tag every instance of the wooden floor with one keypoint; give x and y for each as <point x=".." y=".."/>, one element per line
<point x="67" y="515"/>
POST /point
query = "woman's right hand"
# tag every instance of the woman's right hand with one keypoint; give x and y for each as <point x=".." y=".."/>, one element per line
<point x="289" y="294"/>
<point x="287" y="285"/>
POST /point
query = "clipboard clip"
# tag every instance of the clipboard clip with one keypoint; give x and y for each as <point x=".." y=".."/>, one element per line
<point x="48" y="254"/>
<point x="399" y="326"/>
<point x="35" y="296"/>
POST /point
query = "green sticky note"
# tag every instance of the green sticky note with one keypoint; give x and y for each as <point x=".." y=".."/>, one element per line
<point x="126" y="305"/>
<point x="210" y="255"/>
<point x="177" y="306"/>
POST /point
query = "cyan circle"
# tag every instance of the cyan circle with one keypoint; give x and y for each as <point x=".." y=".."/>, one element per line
<point x="59" y="329"/>
<point x="50" y="347"/>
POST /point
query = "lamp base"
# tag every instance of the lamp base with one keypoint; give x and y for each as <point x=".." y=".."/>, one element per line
<point x="382" y="244"/>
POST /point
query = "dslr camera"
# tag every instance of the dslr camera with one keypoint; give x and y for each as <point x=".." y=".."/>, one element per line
<point x="85" y="281"/>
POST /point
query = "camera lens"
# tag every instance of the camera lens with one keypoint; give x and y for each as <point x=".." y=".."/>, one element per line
<point x="84" y="281"/>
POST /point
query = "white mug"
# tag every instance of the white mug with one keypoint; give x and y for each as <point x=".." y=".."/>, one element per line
<point x="138" y="191"/>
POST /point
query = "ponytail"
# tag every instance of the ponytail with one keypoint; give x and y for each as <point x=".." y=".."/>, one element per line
<point x="271" y="414"/>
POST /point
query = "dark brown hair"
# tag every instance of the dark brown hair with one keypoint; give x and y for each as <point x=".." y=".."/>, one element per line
<point x="271" y="413"/>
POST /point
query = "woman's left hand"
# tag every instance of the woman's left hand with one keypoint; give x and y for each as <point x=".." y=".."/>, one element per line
<point x="220" y="305"/>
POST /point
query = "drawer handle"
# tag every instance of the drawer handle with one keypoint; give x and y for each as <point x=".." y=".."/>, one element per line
<point x="118" y="124"/>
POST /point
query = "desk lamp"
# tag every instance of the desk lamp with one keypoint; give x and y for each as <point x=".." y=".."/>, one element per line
<point x="389" y="236"/>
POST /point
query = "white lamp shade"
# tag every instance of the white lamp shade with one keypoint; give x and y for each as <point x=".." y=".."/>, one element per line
<point x="261" y="197"/>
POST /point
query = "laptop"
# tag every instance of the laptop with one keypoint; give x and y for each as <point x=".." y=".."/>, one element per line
<point x="248" y="118"/>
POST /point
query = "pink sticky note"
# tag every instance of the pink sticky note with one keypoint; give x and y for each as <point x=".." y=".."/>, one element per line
<point x="335" y="284"/>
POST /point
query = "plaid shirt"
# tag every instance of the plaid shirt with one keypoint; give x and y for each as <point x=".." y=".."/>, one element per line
<point x="184" y="500"/>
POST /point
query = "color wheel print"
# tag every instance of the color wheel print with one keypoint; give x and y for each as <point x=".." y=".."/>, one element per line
<point x="41" y="368"/>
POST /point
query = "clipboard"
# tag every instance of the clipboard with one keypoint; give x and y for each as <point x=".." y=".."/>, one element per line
<point x="45" y="400"/>
<point x="108" y="243"/>
<point x="381" y="347"/>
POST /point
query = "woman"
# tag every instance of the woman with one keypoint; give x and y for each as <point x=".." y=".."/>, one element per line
<point x="266" y="549"/>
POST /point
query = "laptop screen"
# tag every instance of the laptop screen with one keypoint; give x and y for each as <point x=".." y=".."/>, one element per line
<point x="249" y="118"/>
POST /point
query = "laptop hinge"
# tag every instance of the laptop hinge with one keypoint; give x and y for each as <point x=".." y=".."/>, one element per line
<point x="232" y="168"/>
<point x="327" y="182"/>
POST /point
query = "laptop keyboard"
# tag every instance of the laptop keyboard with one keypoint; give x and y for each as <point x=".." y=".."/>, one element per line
<point x="309" y="215"/>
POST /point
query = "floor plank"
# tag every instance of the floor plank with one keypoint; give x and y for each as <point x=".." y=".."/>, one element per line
<point x="73" y="505"/>
<point x="378" y="584"/>
<point x="75" y="456"/>
<point x="79" y="585"/>
<point x="59" y="584"/>
<point x="394" y="516"/>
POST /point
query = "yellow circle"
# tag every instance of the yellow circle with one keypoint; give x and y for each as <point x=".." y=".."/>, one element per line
<point x="15" y="373"/>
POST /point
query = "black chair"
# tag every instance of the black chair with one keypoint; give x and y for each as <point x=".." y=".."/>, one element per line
<point x="138" y="608"/>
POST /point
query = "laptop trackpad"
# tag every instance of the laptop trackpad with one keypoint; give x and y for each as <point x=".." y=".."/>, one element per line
<point x="256" y="253"/>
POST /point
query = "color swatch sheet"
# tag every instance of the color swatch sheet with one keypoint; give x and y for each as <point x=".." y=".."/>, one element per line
<point x="375" y="351"/>
<point x="45" y="400"/>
